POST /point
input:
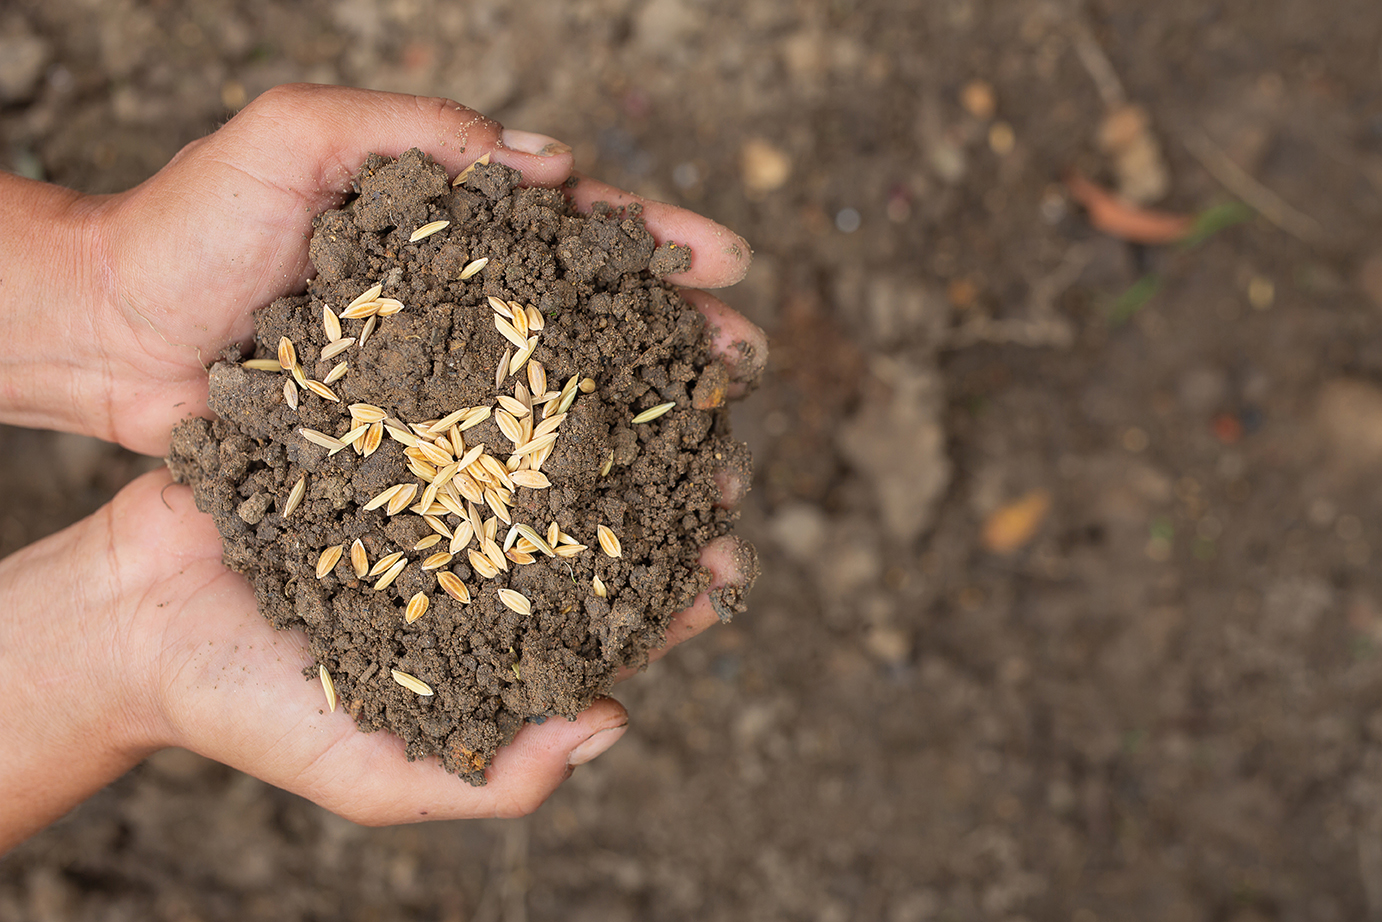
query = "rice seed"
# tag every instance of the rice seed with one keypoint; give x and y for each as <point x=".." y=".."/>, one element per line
<point x="509" y="426"/>
<point x="366" y="412"/>
<point x="390" y="575"/>
<point x="295" y="496"/>
<point x="322" y="391"/>
<point x="652" y="413"/>
<point x="417" y="607"/>
<point x="609" y="542"/>
<point x="262" y="364"/>
<point x="424" y="543"/>
<point x="367" y="329"/>
<point x="507" y="330"/>
<point x="553" y="534"/>
<point x="373" y="437"/>
<point x="538" y="542"/>
<point x="599" y="586"/>
<point x="412" y="683"/>
<point x="359" y="559"/>
<point x="369" y="294"/>
<point x="451" y="584"/>
<point x="474" y="266"/>
<point x="383" y="564"/>
<point x="564" y="538"/>
<point x="549" y="424"/>
<point x="402" y="436"/>
<point x="535" y="321"/>
<point x="516" y="601"/>
<point x="464" y="532"/>
<point x="497" y="471"/>
<point x="360" y="311"/>
<point x="520" y="557"/>
<point x="537" y="377"/>
<point x="449" y="420"/>
<point x="501" y="371"/>
<point x="523" y="355"/>
<point x="287" y="354"/>
<point x="383" y="497"/>
<point x="491" y="549"/>
<point x="389" y="306"/>
<point x="290" y="393"/>
<point x="534" y="480"/>
<point x="331" y="323"/>
<point x="482" y="565"/>
<point x="570" y="550"/>
<point x="328" y="686"/>
<point x="500" y="307"/>
<point x="450" y="504"/>
<point x="402" y="498"/>
<point x="609" y="463"/>
<point x="427" y="230"/>
<point x="461" y="176"/>
<point x="437" y="560"/>
<point x="336" y="347"/>
<point x="568" y="397"/>
<point x="545" y="398"/>
<point x="513" y="406"/>
<point x="536" y="444"/>
<point x="519" y="317"/>
<point x="335" y="374"/>
<point x="497" y="505"/>
<point x="299" y="375"/>
<point x="328" y="560"/>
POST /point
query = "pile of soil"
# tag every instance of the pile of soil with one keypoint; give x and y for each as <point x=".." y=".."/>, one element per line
<point x="588" y="288"/>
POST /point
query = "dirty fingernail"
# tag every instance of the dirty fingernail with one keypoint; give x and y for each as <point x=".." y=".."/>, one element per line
<point x="528" y="142"/>
<point x="595" y="744"/>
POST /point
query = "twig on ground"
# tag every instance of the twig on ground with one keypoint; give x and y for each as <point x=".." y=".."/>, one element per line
<point x="1242" y="184"/>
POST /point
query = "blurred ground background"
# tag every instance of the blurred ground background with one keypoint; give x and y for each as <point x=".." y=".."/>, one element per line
<point x="1070" y="607"/>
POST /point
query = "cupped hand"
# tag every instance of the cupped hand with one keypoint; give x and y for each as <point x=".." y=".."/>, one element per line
<point x="223" y="229"/>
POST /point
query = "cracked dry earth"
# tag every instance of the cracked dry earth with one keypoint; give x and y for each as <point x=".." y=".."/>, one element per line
<point x="476" y="462"/>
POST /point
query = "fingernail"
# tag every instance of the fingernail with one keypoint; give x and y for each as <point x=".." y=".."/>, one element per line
<point x="595" y="744"/>
<point x="528" y="142"/>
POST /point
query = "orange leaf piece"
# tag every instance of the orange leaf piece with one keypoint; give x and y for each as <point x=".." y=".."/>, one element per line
<point x="1124" y="220"/>
<point x="1010" y="527"/>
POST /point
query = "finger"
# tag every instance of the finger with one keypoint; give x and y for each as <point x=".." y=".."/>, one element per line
<point x="719" y="257"/>
<point x="740" y="344"/>
<point x="733" y="566"/>
<point x="330" y="130"/>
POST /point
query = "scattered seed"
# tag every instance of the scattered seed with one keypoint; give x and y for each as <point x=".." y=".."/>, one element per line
<point x="549" y="424"/>
<point x="373" y="437"/>
<point x="412" y="683"/>
<point x="390" y="575"/>
<point x="437" y="560"/>
<point x="299" y="375"/>
<point x="535" y="480"/>
<point x="599" y="586"/>
<point x="336" y="347"/>
<point x="328" y="560"/>
<point x="366" y="413"/>
<point x="652" y="413"/>
<point x="427" y="230"/>
<point x="523" y="355"/>
<point x="331" y="323"/>
<point x="359" y="559"/>
<point x="537" y="376"/>
<point x="482" y="565"/>
<point x="500" y="307"/>
<point x="400" y="500"/>
<point x="461" y="176"/>
<point x="587" y="385"/>
<point x="497" y="505"/>
<point x="360" y="311"/>
<point x="516" y="601"/>
<point x="607" y="466"/>
<point x="520" y="557"/>
<point x="513" y="406"/>
<point x="570" y="550"/>
<point x="287" y="355"/>
<point x="417" y="607"/>
<point x="476" y="417"/>
<point x="505" y="328"/>
<point x="449" y="420"/>
<point x="520" y="318"/>
<point x="424" y="543"/>
<point x="369" y="294"/>
<point x="464" y="532"/>
<point x="290" y="393"/>
<point x="322" y="391"/>
<point x="501" y="371"/>
<point x="262" y="365"/>
<point x="568" y="397"/>
<point x="509" y="426"/>
<point x="402" y="436"/>
<point x="389" y="306"/>
<point x="383" y="497"/>
<point x="538" y="542"/>
<point x="497" y="471"/>
<point x="388" y="560"/>
<point x="536" y="444"/>
<point x="535" y="319"/>
<point x="450" y="504"/>
<point x="492" y="551"/>
<point x="295" y="496"/>
<point x="474" y="266"/>
<point x="451" y="584"/>
<point x="367" y="330"/>
<point x="553" y="533"/>
<point x="609" y="542"/>
<point x="335" y="374"/>
<point x="328" y="686"/>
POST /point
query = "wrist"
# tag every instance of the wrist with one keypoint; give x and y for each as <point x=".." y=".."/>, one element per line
<point x="52" y="296"/>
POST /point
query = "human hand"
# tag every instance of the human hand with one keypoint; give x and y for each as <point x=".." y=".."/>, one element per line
<point x="182" y="260"/>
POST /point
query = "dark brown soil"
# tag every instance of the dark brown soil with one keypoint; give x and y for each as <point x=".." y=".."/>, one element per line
<point x="607" y="317"/>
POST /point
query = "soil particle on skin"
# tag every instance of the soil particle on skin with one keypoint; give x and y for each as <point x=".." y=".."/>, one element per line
<point x="600" y="313"/>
